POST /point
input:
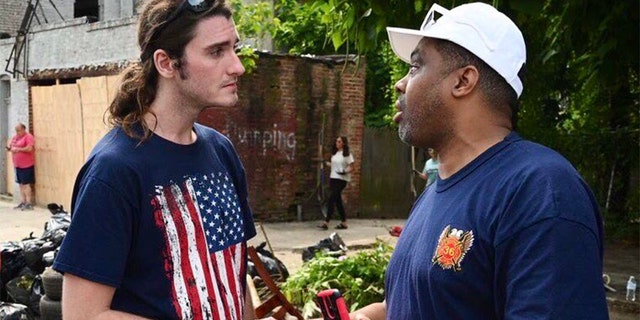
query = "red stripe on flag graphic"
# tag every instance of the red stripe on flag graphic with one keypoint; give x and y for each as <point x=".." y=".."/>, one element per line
<point x="206" y="284"/>
<point x="181" y="244"/>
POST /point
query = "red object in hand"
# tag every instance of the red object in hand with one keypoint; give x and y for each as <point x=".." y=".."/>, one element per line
<point x="395" y="231"/>
<point x="332" y="305"/>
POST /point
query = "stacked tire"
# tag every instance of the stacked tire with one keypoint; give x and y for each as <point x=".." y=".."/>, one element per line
<point x="50" y="305"/>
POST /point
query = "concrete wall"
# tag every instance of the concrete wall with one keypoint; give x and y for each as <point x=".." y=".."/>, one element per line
<point x="5" y="50"/>
<point x="116" y="9"/>
<point x="12" y="12"/>
<point x="75" y="44"/>
<point x="48" y="14"/>
<point x="16" y="108"/>
<point x="19" y="104"/>
<point x="5" y="100"/>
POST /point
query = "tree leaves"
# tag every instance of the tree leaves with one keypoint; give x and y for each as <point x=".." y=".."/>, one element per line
<point x="581" y="88"/>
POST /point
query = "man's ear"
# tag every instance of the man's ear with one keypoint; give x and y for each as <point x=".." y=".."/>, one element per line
<point x="465" y="82"/>
<point x="166" y="66"/>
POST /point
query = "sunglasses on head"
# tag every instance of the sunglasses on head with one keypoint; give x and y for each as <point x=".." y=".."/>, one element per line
<point x="195" y="6"/>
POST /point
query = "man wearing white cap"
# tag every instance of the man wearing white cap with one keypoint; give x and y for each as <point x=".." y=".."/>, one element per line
<point x="509" y="230"/>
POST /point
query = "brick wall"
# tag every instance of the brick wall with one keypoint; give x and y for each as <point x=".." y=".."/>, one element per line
<point x="277" y="128"/>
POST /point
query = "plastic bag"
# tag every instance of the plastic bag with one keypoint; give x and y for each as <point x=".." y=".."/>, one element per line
<point x="14" y="311"/>
<point x="49" y="257"/>
<point x="271" y="263"/>
<point x="19" y="289"/>
<point x="333" y="245"/>
<point x="37" y="291"/>
<point x="55" y="208"/>
<point x="58" y="221"/>
<point x="12" y="262"/>
<point x="33" y="252"/>
<point x="55" y="236"/>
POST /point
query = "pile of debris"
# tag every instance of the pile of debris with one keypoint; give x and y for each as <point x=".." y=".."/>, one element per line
<point x="332" y="245"/>
<point x="277" y="270"/>
<point x="29" y="288"/>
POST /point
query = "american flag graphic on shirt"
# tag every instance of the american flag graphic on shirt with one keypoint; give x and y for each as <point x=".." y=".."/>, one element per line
<point x="202" y="221"/>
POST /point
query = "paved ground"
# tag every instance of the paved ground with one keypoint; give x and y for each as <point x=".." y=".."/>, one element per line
<point x="16" y="225"/>
<point x="287" y="239"/>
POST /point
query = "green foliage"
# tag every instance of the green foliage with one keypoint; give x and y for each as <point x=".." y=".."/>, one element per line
<point x="330" y="27"/>
<point x="581" y="96"/>
<point x="255" y="22"/>
<point x="625" y="230"/>
<point x="581" y="85"/>
<point x="360" y="279"/>
<point x="384" y="69"/>
<point x="300" y="30"/>
<point x="249" y="58"/>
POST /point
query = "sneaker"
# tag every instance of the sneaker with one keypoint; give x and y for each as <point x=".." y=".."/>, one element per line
<point x="27" y="207"/>
<point x="322" y="226"/>
<point x="20" y="206"/>
<point x="341" y="226"/>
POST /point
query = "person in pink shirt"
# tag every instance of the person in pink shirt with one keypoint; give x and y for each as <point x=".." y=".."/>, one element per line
<point x="22" y="150"/>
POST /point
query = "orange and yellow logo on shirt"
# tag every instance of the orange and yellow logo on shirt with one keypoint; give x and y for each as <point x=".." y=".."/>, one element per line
<point x="453" y="245"/>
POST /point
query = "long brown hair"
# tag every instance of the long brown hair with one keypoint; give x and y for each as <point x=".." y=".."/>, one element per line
<point x="140" y="80"/>
<point x="345" y="146"/>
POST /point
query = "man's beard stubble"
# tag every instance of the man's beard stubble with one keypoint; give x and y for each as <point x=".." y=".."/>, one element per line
<point x="427" y="122"/>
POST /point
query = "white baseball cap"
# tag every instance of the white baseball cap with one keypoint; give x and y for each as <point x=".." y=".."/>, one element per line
<point x="477" y="27"/>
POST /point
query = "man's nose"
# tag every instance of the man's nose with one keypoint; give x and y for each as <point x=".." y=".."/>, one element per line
<point x="401" y="85"/>
<point x="236" y="67"/>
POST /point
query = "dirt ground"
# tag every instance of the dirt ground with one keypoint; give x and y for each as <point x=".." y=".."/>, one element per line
<point x="621" y="260"/>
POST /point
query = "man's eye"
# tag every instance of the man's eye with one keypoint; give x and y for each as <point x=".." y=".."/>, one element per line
<point x="216" y="52"/>
<point x="413" y="68"/>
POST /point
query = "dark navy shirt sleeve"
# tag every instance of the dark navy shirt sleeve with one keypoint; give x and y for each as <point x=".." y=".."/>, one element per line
<point x="549" y="235"/>
<point x="96" y="245"/>
<point x="535" y="266"/>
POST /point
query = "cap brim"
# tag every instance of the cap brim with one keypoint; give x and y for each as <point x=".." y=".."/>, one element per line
<point x="404" y="41"/>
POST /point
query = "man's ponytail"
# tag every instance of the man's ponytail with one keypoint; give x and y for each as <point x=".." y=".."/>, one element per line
<point x="136" y="93"/>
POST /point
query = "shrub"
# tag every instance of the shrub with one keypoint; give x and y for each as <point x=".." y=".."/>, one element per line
<point x="359" y="277"/>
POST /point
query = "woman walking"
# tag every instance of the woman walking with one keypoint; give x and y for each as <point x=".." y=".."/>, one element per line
<point x="341" y="162"/>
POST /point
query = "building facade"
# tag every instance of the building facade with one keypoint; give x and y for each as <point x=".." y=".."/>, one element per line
<point x="304" y="102"/>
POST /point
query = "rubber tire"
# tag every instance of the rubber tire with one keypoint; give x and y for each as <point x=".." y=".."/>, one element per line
<point x="49" y="309"/>
<point x="52" y="283"/>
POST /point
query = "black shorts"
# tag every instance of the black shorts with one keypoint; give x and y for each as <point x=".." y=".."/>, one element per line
<point x="26" y="175"/>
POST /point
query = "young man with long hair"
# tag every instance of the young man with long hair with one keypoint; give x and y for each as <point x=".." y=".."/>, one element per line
<point x="160" y="211"/>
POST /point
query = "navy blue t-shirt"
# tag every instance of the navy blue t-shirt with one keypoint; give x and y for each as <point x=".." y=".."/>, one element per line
<point x="515" y="234"/>
<point x="163" y="223"/>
